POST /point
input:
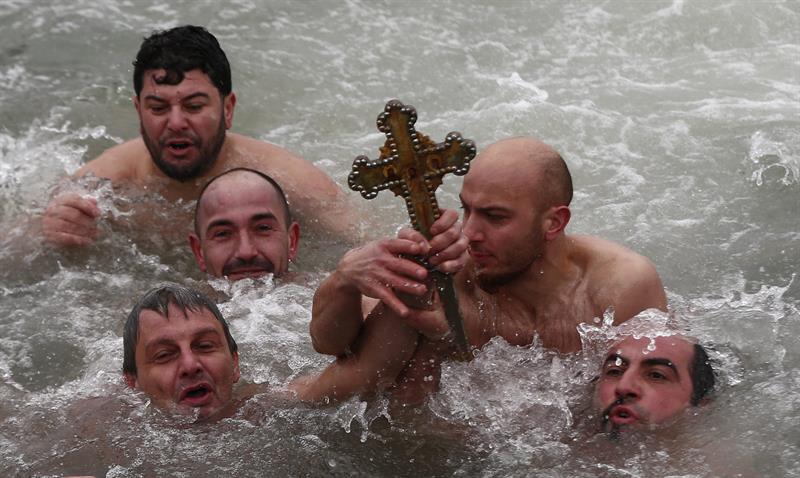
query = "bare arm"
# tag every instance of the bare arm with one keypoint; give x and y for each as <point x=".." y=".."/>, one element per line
<point x="373" y="270"/>
<point x="381" y="352"/>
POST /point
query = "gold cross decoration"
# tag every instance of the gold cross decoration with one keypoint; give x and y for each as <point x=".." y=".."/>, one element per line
<point x="412" y="166"/>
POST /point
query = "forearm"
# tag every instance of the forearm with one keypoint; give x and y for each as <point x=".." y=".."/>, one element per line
<point x="382" y="351"/>
<point x="336" y="316"/>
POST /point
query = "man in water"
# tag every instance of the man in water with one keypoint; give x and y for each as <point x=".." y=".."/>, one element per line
<point x="243" y="226"/>
<point x="525" y="276"/>
<point x="179" y="352"/>
<point x="647" y="383"/>
<point x="185" y="104"/>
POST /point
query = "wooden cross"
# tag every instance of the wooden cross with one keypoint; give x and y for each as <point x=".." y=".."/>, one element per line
<point x="412" y="166"/>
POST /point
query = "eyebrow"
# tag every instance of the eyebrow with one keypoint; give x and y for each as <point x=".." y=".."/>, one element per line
<point x="661" y="361"/>
<point x="184" y="99"/>
<point x="650" y="362"/>
<point x="613" y="357"/>
<point x="485" y="209"/>
<point x="264" y="215"/>
<point x="218" y="223"/>
<point x="169" y="340"/>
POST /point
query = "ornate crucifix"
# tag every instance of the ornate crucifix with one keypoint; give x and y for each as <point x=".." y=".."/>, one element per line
<point x="412" y="166"/>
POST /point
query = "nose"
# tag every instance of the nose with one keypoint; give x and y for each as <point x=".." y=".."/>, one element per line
<point x="176" y="120"/>
<point x="472" y="229"/>
<point x="247" y="248"/>
<point x="628" y="386"/>
<point x="189" y="364"/>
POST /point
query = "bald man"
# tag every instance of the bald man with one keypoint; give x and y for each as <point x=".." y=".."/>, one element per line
<point x="243" y="226"/>
<point x="525" y="276"/>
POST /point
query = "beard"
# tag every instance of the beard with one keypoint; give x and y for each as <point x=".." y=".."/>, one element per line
<point x="517" y="261"/>
<point x="208" y="154"/>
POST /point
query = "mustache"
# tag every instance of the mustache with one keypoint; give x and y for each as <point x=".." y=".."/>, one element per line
<point x="605" y="422"/>
<point x="255" y="263"/>
<point x="193" y="138"/>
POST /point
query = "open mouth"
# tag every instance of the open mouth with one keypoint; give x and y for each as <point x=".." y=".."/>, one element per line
<point x="622" y="415"/>
<point x="196" y="396"/>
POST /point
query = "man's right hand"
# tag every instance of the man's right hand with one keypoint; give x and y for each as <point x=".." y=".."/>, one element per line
<point x="71" y="220"/>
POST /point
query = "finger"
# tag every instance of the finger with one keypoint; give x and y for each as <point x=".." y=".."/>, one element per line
<point x="67" y="240"/>
<point x="446" y="220"/>
<point x="86" y="205"/>
<point x="413" y="245"/>
<point x="455" y="254"/>
<point x="71" y="215"/>
<point x="388" y="297"/>
<point x="405" y="269"/>
<point x="57" y="224"/>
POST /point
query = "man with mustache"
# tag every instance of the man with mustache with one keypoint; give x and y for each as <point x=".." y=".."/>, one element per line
<point x="648" y="381"/>
<point x="185" y="104"/>
<point x="243" y="226"/>
<point x="525" y="278"/>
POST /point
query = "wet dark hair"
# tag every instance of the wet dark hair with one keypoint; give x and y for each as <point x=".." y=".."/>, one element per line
<point x="286" y="213"/>
<point x="158" y="300"/>
<point x="702" y="374"/>
<point x="179" y="50"/>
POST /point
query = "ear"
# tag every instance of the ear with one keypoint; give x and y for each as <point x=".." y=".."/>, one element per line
<point x="197" y="249"/>
<point x="557" y="219"/>
<point x="130" y="380"/>
<point x="136" y="104"/>
<point x="236" y="373"/>
<point x="294" y="240"/>
<point x="228" y="104"/>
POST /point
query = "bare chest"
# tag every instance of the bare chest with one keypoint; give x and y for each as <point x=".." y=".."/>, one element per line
<point x="553" y="319"/>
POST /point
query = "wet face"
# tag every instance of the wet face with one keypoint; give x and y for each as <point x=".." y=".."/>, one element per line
<point x="183" y="361"/>
<point x="503" y="221"/>
<point x="183" y="125"/>
<point x="242" y="229"/>
<point x="641" y="387"/>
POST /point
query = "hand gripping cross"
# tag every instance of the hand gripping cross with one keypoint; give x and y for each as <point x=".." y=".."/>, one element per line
<point x="412" y="166"/>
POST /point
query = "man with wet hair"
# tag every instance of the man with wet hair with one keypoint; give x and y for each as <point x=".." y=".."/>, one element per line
<point x="526" y="277"/>
<point x="649" y="381"/>
<point x="179" y="351"/>
<point x="185" y="104"/>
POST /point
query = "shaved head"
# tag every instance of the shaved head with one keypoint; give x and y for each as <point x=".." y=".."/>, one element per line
<point x="529" y="161"/>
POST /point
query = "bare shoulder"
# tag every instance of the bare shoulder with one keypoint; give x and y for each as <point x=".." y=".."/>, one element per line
<point x="274" y="160"/>
<point x="128" y="161"/>
<point x="620" y="277"/>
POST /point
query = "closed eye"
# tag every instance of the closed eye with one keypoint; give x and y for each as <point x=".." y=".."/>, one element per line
<point x="163" y="356"/>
